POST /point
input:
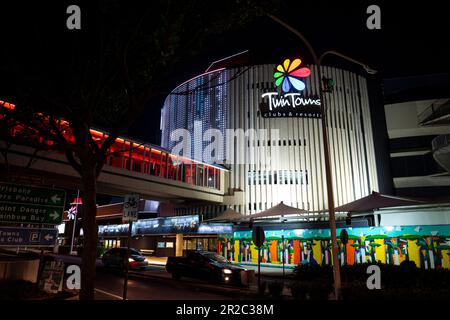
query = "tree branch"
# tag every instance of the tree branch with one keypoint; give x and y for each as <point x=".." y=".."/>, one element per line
<point x="73" y="162"/>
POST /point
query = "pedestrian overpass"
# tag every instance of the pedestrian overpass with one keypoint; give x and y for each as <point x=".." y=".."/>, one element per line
<point x="139" y="168"/>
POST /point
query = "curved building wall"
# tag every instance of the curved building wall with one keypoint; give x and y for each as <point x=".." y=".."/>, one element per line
<point x="286" y="163"/>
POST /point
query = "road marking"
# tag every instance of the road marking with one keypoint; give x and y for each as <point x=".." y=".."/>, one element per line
<point x="109" y="294"/>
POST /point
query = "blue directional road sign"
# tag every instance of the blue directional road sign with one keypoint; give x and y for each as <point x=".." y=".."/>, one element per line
<point x="29" y="237"/>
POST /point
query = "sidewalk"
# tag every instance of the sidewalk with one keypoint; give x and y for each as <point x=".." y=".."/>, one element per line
<point x="158" y="261"/>
<point x="268" y="269"/>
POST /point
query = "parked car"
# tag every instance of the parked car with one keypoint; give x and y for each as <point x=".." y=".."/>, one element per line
<point x="204" y="265"/>
<point x="115" y="258"/>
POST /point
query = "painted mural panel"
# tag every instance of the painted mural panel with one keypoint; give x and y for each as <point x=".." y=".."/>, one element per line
<point x="427" y="246"/>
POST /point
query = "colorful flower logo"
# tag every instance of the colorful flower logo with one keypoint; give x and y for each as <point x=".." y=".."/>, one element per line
<point x="287" y="75"/>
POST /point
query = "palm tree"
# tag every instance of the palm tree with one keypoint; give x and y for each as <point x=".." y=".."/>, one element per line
<point x="439" y="255"/>
<point x="373" y="245"/>
<point x="358" y="245"/>
<point x="409" y="237"/>
<point x="390" y="249"/>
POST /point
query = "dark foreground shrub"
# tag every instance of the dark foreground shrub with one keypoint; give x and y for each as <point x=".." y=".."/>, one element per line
<point x="298" y="290"/>
<point x="17" y="290"/>
<point x="262" y="288"/>
<point x="276" y="288"/>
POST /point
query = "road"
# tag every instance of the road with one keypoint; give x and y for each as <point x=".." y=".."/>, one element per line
<point x="152" y="284"/>
<point x="110" y="286"/>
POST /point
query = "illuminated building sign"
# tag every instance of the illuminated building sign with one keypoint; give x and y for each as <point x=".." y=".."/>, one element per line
<point x="215" y="228"/>
<point x="179" y="224"/>
<point x="168" y="225"/>
<point x="290" y="103"/>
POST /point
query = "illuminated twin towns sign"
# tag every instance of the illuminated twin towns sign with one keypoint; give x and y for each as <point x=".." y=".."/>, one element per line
<point x="291" y="103"/>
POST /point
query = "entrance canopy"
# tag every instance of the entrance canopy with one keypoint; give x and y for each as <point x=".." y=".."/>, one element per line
<point x="375" y="201"/>
<point x="228" y="215"/>
<point x="279" y="210"/>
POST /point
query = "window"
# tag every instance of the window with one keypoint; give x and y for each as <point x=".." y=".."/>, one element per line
<point x="293" y="177"/>
<point x="200" y="173"/>
<point x="211" y="177"/>
<point x="169" y="244"/>
<point x="161" y="245"/>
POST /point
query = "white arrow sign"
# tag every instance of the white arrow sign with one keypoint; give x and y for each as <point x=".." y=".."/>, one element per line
<point x="54" y="215"/>
<point x="48" y="237"/>
<point x="55" y="198"/>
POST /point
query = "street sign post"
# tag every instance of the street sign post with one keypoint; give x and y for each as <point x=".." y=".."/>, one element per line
<point x="344" y="236"/>
<point x="344" y="239"/>
<point x="28" y="204"/>
<point x="29" y="237"/>
<point x="258" y="239"/>
<point x="130" y="214"/>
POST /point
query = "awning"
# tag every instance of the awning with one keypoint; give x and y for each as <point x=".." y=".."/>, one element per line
<point x="375" y="201"/>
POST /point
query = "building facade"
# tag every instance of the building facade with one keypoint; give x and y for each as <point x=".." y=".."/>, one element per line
<point x="418" y="126"/>
<point x="272" y="158"/>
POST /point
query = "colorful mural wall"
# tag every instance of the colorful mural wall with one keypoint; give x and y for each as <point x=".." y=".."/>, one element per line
<point x="427" y="246"/>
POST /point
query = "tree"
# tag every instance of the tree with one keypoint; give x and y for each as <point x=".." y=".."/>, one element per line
<point x="64" y="82"/>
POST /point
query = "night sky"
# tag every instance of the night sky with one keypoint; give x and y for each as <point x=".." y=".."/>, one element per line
<point x="413" y="40"/>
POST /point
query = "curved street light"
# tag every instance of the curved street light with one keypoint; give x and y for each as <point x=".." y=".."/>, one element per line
<point x="331" y="209"/>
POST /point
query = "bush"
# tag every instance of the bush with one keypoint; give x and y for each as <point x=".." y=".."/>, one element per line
<point x="17" y="290"/>
<point x="407" y="275"/>
<point x="319" y="290"/>
<point x="262" y="288"/>
<point x="276" y="288"/>
<point x="298" y="290"/>
<point x="308" y="272"/>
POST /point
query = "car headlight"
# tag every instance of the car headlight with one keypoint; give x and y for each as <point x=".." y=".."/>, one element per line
<point x="130" y="260"/>
<point x="227" y="271"/>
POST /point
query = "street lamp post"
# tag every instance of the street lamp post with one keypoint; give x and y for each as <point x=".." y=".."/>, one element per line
<point x="331" y="209"/>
